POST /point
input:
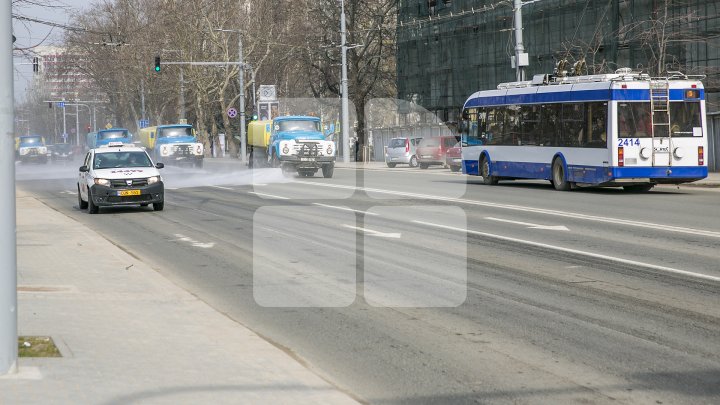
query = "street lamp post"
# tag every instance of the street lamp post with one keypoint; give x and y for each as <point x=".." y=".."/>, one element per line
<point x="241" y="83"/>
<point x="344" y="80"/>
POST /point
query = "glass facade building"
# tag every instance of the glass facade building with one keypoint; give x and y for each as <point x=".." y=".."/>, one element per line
<point x="449" y="49"/>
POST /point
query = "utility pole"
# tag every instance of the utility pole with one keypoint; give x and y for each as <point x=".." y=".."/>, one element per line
<point x="241" y="80"/>
<point x="182" y="94"/>
<point x="77" y="124"/>
<point x="521" y="59"/>
<point x="8" y="238"/>
<point x="142" y="97"/>
<point x="64" y="120"/>
<point x="344" y="80"/>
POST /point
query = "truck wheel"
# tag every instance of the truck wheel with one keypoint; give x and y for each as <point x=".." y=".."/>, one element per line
<point x="328" y="170"/>
<point x="275" y="161"/>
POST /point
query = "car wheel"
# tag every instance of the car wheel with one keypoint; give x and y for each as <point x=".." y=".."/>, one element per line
<point x="328" y="171"/>
<point x="158" y="206"/>
<point x="424" y="165"/>
<point x="559" y="179"/>
<point x="391" y="165"/>
<point x="413" y="162"/>
<point x="485" y="173"/>
<point x="91" y="207"/>
<point x="82" y="204"/>
<point x="455" y="168"/>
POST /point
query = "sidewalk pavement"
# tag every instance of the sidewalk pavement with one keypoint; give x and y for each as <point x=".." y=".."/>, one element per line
<point x="129" y="335"/>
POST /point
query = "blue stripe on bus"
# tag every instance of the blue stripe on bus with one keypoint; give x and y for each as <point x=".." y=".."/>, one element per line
<point x="574" y="96"/>
<point x="587" y="174"/>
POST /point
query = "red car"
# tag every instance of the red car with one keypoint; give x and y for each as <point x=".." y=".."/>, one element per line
<point x="453" y="158"/>
<point x="432" y="150"/>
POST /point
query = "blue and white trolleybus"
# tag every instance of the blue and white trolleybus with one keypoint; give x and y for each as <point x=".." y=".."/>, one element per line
<point x="623" y="129"/>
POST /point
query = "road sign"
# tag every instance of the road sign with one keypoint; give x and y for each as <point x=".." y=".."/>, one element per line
<point x="64" y="137"/>
<point x="61" y="104"/>
<point x="232" y="113"/>
<point x="144" y="123"/>
<point x="108" y="125"/>
<point x="267" y="93"/>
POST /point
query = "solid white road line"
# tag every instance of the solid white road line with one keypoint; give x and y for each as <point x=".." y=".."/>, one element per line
<point x="531" y="226"/>
<point x="585" y="217"/>
<point x="222" y="188"/>
<point x="574" y="251"/>
<point x="268" y="195"/>
<point x="379" y="234"/>
<point x="345" y="209"/>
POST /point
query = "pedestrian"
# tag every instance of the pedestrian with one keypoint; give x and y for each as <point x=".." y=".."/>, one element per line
<point x="357" y="149"/>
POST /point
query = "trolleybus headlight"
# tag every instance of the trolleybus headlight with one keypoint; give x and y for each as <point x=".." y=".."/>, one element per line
<point x="645" y="153"/>
<point x="679" y="153"/>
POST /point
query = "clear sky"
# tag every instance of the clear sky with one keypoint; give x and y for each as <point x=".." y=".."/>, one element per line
<point x="31" y="34"/>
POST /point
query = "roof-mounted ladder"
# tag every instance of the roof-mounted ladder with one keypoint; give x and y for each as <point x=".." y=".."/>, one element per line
<point x="660" y="112"/>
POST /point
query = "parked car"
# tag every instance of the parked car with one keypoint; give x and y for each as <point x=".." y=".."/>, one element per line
<point x="61" y="152"/>
<point x="402" y="150"/>
<point x="453" y="157"/>
<point x="432" y="150"/>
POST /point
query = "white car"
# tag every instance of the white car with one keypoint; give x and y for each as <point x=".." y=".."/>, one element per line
<point x="117" y="175"/>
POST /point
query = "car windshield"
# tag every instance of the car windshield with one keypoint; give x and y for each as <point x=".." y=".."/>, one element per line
<point x="113" y="134"/>
<point x="62" y="147"/>
<point x="397" y="143"/>
<point x="174" y="131"/>
<point x="298" y="125"/>
<point x="31" y="140"/>
<point x="121" y="159"/>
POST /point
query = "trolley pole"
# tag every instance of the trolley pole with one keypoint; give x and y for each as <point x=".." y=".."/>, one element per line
<point x="8" y="241"/>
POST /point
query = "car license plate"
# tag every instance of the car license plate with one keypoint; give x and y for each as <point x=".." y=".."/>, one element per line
<point x="306" y="159"/>
<point x="457" y="160"/>
<point x="427" y="156"/>
<point x="125" y="193"/>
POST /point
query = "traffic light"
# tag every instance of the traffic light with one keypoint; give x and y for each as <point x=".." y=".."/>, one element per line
<point x="157" y="64"/>
<point x="36" y="65"/>
<point x="254" y="116"/>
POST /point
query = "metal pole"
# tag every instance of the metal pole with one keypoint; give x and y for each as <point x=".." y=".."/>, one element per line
<point x="345" y="108"/>
<point x="94" y="120"/>
<point x="77" y="124"/>
<point x="182" y="94"/>
<point x="64" y="122"/>
<point x="241" y="79"/>
<point x="142" y="97"/>
<point x="252" y="75"/>
<point x="519" y="48"/>
<point x="8" y="241"/>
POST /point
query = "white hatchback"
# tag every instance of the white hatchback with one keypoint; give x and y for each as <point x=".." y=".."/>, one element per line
<point x="118" y="175"/>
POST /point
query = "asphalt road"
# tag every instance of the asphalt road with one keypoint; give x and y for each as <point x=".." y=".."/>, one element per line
<point x="419" y="286"/>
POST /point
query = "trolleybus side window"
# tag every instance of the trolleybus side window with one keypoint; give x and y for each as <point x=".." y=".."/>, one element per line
<point x="550" y="124"/>
<point x="530" y="117"/>
<point x="597" y="122"/>
<point x="572" y="132"/>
